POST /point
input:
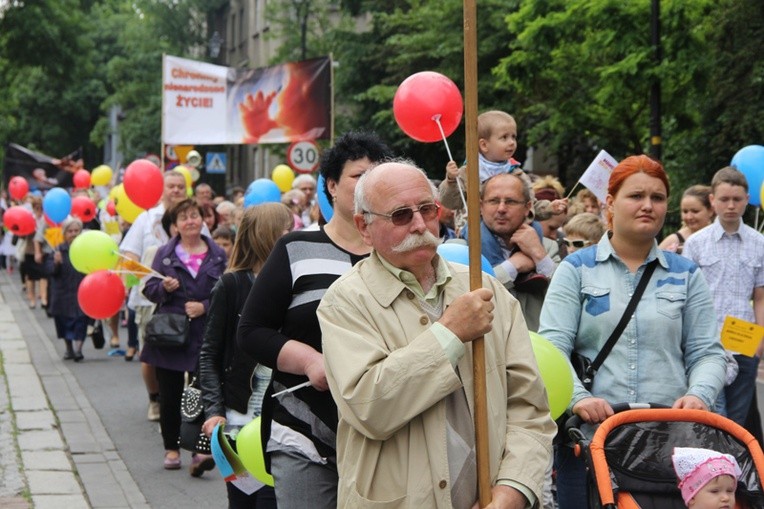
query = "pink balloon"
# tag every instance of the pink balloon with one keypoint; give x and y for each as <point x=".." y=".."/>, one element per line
<point x="83" y="208"/>
<point x="101" y="294"/>
<point x="18" y="187"/>
<point x="144" y="183"/>
<point x="19" y="221"/>
<point x="81" y="179"/>
<point x="423" y="99"/>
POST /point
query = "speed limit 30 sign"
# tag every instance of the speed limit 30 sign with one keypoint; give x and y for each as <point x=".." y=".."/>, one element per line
<point x="302" y="156"/>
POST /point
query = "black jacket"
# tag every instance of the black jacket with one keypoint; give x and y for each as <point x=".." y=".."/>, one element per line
<point x="225" y="371"/>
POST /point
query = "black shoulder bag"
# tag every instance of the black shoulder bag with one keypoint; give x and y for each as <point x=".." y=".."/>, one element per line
<point x="584" y="367"/>
<point x="168" y="330"/>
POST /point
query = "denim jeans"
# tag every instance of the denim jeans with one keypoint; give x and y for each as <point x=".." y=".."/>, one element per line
<point x="740" y="393"/>
<point x="301" y="483"/>
<point x="572" y="492"/>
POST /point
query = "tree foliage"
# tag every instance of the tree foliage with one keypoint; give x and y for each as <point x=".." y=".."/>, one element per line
<point x="576" y="74"/>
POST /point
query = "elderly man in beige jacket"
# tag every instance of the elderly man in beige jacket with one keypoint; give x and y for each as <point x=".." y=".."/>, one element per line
<point x="397" y="332"/>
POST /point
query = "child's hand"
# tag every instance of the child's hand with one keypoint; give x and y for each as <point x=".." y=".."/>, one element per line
<point x="559" y="206"/>
<point x="452" y="171"/>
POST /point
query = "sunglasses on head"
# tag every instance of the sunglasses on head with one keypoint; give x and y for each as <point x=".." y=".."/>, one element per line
<point x="404" y="215"/>
<point x="576" y="243"/>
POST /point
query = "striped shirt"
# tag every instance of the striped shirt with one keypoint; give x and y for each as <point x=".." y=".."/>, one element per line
<point x="282" y="306"/>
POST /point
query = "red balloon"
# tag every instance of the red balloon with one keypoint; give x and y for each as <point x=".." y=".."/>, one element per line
<point x="111" y="208"/>
<point x="18" y="187"/>
<point x="101" y="294"/>
<point x="81" y="179"/>
<point x="144" y="183"/>
<point x="49" y="221"/>
<point x="423" y="99"/>
<point x="83" y="208"/>
<point x="19" y="221"/>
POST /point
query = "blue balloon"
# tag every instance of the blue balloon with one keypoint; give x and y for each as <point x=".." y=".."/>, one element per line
<point x="323" y="202"/>
<point x="261" y="191"/>
<point x="750" y="161"/>
<point x="460" y="253"/>
<point x="57" y="204"/>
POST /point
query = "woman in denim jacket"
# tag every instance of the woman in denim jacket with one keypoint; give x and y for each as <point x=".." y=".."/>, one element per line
<point x="669" y="352"/>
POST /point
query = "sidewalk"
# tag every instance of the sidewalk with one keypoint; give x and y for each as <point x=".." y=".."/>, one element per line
<point x="54" y="449"/>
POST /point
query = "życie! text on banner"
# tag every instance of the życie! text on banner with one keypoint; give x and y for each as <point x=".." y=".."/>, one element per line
<point x="206" y="104"/>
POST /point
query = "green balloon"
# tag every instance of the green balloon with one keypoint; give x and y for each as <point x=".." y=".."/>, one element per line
<point x="93" y="250"/>
<point x="250" y="450"/>
<point x="555" y="372"/>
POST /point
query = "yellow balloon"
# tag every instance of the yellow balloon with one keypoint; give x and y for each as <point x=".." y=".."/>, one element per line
<point x="283" y="176"/>
<point x="555" y="373"/>
<point x="250" y="450"/>
<point x="189" y="192"/>
<point x="186" y="174"/>
<point x="101" y="175"/>
<point x="125" y="207"/>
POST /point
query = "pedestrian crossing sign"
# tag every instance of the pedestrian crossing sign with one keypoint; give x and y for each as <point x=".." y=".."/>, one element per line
<point x="216" y="162"/>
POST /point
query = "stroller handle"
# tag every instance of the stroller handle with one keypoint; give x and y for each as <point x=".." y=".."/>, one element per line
<point x="574" y="422"/>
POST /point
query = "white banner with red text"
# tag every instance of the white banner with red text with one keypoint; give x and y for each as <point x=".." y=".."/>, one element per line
<point x="206" y="104"/>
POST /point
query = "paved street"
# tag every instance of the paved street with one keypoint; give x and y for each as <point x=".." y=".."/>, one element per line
<point x="83" y="435"/>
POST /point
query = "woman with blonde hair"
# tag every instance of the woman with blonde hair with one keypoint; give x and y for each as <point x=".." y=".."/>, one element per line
<point x="232" y="383"/>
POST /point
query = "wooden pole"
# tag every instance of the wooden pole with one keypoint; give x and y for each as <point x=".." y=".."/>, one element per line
<point x="473" y="223"/>
<point x="161" y="119"/>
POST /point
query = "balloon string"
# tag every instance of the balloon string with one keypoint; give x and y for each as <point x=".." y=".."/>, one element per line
<point x="436" y="118"/>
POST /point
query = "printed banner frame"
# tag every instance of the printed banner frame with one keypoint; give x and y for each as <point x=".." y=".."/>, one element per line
<point x="206" y="104"/>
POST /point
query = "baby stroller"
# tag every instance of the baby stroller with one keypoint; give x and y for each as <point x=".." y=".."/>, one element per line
<point x="629" y="457"/>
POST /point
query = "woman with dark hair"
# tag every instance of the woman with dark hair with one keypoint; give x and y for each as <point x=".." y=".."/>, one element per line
<point x="279" y="329"/>
<point x="210" y="216"/>
<point x="232" y="383"/>
<point x="668" y="353"/>
<point x="191" y="264"/>
<point x="697" y="213"/>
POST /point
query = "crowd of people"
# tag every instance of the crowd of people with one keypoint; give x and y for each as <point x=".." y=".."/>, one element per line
<point x="362" y="312"/>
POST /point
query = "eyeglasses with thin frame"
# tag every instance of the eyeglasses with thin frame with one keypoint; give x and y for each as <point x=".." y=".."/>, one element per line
<point x="404" y="215"/>
<point x="578" y="244"/>
<point x="509" y="202"/>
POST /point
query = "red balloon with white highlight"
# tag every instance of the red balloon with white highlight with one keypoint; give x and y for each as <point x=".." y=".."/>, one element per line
<point x="144" y="183"/>
<point x="81" y="179"/>
<point x="422" y="100"/>
<point x="101" y="294"/>
<point x="18" y="187"/>
<point x="19" y="221"/>
<point x="83" y="208"/>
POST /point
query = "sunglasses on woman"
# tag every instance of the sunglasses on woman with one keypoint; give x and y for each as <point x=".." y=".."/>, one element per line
<point x="578" y="244"/>
<point x="404" y="215"/>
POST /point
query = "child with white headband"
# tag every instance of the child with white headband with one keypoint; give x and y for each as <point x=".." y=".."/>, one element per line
<point x="708" y="479"/>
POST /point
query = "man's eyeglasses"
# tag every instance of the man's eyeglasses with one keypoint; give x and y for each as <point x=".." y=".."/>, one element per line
<point x="404" y="215"/>
<point x="509" y="202"/>
<point x="578" y="244"/>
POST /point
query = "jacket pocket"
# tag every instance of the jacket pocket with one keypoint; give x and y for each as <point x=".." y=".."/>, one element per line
<point x="596" y="299"/>
<point x="670" y="303"/>
<point x="355" y="500"/>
